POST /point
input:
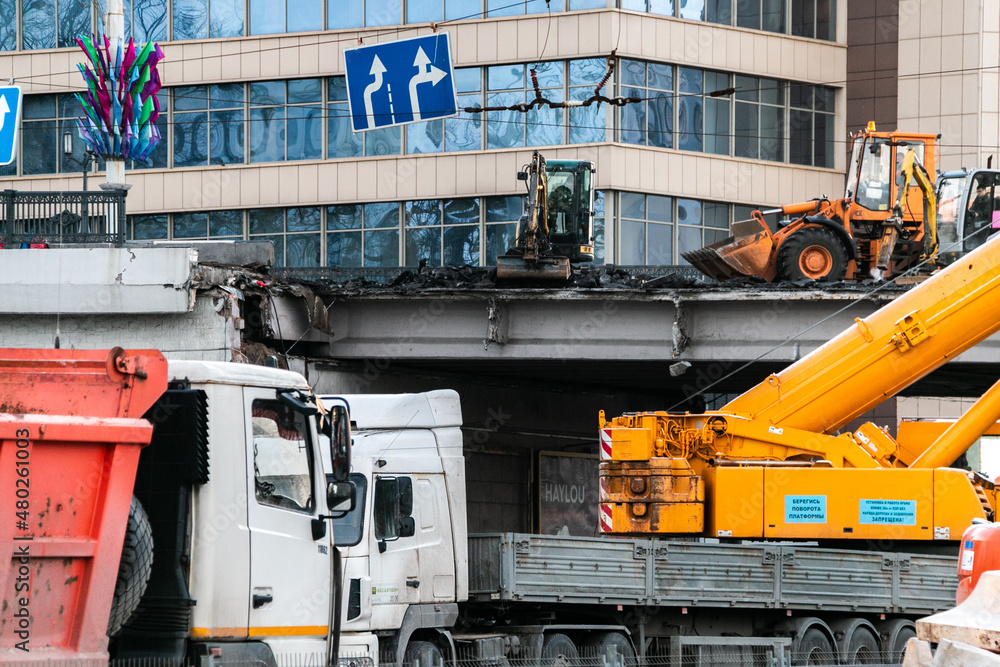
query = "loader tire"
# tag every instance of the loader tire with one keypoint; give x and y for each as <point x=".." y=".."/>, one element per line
<point x="133" y="569"/>
<point x="812" y="253"/>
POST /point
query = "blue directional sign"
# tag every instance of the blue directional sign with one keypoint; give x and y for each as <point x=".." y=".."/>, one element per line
<point x="395" y="83"/>
<point x="10" y="122"/>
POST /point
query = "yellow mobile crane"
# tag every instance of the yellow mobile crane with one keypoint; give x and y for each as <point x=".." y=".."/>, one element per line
<point x="771" y="464"/>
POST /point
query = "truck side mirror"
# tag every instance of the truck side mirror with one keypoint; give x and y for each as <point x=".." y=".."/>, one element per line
<point x="340" y="496"/>
<point x="337" y="427"/>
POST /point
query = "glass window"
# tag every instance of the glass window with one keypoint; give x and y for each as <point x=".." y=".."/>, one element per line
<point x="45" y="118"/>
<point x="225" y="223"/>
<point x="8" y="28"/>
<point x="225" y="18"/>
<point x="693" y="10"/>
<point x="148" y="20"/>
<point x="267" y="17"/>
<point x="305" y="132"/>
<point x="74" y="20"/>
<point x="690" y="114"/>
<point x="382" y="12"/>
<point x="149" y="226"/>
<point x="381" y="248"/>
<point x="190" y="139"/>
<point x="342" y="141"/>
<point x="349" y="528"/>
<point x="748" y="14"/>
<point x="649" y="122"/>
<point x="305" y="15"/>
<point x="38" y="25"/>
<point x="386" y="508"/>
<point x="719" y="11"/>
<point x="383" y="214"/>
<point x="424" y="11"/>
<point x="342" y="14"/>
<point x="190" y="19"/>
<point x="267" y="135"/>
<point x="190" y="225"/>
<point x="282" y="457"/>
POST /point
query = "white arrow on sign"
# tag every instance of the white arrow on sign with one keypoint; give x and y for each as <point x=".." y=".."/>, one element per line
<point x="4" y="110"/>
<point x="378" y="69"/>
<point x="427" y="74"/>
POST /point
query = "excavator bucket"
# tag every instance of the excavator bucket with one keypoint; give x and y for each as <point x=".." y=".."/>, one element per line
<point x="746" y="253"/>
<point x="515" y="266"/>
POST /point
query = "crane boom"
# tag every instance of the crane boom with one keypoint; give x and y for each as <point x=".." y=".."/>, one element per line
<point x="885" y="352"/>
<point x="767" y="464"/>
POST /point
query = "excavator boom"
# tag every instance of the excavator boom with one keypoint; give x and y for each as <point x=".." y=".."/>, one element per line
<point x="557" y="226"/>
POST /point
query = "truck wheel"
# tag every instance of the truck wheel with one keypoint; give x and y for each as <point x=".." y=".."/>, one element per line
<point x="812" y="254"/>
<point x="898" y="647"/>
<point x="814" y="648"/>
<point x="133" y="569"/>
<point x="608" y="649"/>
<point x="558" y="650"/>
<point x="423" y="654"/>
<point x="863" y="648"/>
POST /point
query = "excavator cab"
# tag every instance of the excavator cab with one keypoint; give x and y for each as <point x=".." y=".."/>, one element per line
<point x="557" y="227"/>
<point x="968" y="211"/>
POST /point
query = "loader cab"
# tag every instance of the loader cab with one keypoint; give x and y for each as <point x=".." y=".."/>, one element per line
<point x="876" y="163"/>
<point x="968" y="210"/>
<point x="570" y="195"/>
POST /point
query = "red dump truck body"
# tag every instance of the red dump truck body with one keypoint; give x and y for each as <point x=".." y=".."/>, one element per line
<point x="70" y="436"/>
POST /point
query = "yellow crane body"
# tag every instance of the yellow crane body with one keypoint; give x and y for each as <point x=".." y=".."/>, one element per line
<point x="771" y="464"/>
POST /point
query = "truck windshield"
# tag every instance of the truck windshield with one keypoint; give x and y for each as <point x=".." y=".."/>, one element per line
<point x="949" y="198"/>
<point x="349" y="528"/>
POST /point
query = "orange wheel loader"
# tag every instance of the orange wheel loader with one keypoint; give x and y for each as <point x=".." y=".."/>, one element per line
<point x="883" y="225"/>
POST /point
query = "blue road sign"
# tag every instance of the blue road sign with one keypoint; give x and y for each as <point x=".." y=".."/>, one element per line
<point x="395" y="83"/>
<point x="10" y="122"/>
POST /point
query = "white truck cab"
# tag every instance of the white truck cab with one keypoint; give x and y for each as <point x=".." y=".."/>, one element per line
<point x="237" y="498"/>
<point x="404" y="544"/>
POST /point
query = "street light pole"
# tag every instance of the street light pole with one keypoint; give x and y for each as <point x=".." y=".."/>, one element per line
<point x="88" y="158"/>
<point x="115" y="22"/>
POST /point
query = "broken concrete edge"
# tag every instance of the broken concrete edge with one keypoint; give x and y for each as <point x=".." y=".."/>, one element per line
<point x="975" y="622"/>
<point x="233" y="253"/>
<point x="949" y="653"/>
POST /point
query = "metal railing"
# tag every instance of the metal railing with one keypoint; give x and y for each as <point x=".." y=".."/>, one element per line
<point x="61" y="218"/>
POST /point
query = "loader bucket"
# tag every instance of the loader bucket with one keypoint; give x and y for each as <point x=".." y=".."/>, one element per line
<point x="548" y="268"/>
<point x="747" y="253"/>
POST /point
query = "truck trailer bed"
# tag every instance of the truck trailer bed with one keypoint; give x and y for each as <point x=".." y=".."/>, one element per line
<point x="665" y="573"/>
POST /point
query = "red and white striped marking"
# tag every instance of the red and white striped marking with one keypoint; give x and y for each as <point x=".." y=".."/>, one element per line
<point x="603" y="489"/>
<point x="606" y="523"/>
<point x="605" y="444"/>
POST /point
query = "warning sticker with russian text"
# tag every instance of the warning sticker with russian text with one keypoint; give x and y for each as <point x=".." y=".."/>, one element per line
<point x="888" y="512"/>
<point x="805" y="509"/>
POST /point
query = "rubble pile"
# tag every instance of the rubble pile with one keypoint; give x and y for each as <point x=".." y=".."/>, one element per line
<point x="585" y="277"/>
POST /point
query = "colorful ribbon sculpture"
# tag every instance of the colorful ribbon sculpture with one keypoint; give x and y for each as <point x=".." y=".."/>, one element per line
<point x="120" y="105"/>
